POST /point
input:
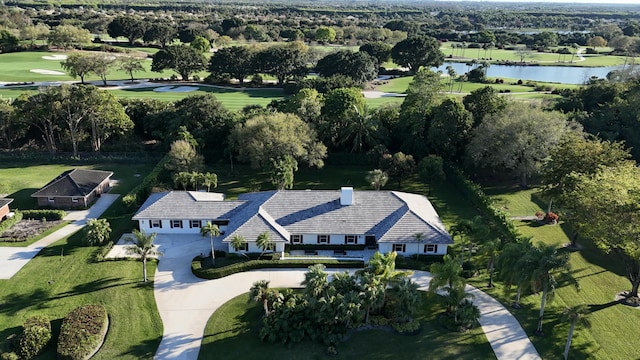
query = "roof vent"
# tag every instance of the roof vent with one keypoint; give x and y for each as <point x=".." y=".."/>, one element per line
<point x="346" y="196"/>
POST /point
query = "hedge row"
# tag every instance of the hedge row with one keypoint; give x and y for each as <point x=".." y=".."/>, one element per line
<point x="9" y="222"/>
<point x="423" y="263"/>
<point x="217" y="273"/>
<point x="474" y="193"/>
<point x="140" y="193"/>
<point x="289" y="247"/>
<point x="82" y="332"/>
<point x="49" y="214"/>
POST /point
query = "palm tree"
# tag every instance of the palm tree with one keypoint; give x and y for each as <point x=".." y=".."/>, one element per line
<point x="209" y="180"/>
<point x="377" y="178"/>
<point x="408" y="296"/>
<point x="264" y="242"/>
<point x="237" y="241"/>
<point x="316" y="281"/>
<point x="182" y="178"/>
<point x="371" y="294"/>
<point x="474" y="229"/>
<point x="384" y="268"/>
<point x="467" y="313"/>
<point x="452" y="75"/>
<point x="143" y="247"/>
<point x="512" y="268"/>
<point x="194" y="179"/>
<point x="260" y="292"/>
<point x="361" y="129"/>
<point x="446" y="274"/>
<point x="574" y="315"/>
<point x="546" y="263"/>
<point x="210" y="230"/>
<point x="490" y="249"/>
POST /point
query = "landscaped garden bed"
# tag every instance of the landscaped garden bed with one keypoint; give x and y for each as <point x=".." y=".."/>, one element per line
<point x="26" y="229"/>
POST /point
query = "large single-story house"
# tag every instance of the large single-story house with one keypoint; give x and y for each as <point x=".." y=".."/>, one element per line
<point x="383" y="220"/>
<point x="74" y="188"/>
<point x="4" y="207"/>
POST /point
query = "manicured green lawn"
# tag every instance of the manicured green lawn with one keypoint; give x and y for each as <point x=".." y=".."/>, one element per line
<point x="63" y="277"/>
<point x="232" y="333"/>
<point x="601" y="276"/>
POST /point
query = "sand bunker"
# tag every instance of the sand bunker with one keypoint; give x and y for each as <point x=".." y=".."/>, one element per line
<point x="176" y="89"/>
<point x="55" y="57"/>
<point x="46" y="72"/>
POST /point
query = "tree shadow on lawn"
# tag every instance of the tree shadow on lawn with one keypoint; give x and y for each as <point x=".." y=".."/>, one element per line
<point x="22" y="199"/>
<point x="145" y="350"/>
<point x="13" y="303"/>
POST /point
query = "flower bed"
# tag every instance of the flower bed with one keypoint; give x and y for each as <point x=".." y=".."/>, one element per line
<point x="82" y="332"/>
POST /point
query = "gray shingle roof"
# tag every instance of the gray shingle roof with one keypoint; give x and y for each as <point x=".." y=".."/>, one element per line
<point x="5" y="201"/>
<point x="76" y="182"/>
<point x="390" y="216"/>
<point x="187" y="205"/>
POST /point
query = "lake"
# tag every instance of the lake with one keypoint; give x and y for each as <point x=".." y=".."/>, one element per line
<point x="558" y="74"/>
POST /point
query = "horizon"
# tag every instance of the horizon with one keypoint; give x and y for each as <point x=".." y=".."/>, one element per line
<point x="569" y="2"/>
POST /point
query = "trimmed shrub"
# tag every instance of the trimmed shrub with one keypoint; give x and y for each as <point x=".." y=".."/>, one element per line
<point x="9" y="356"/>
<point x="35" y="337"/>
<point x="217" y="273"/>
<point x="48" y="214"/>
<point x="483" y="203"/>
<point x="289" y="247"/>
<point x="9" y="222"/>
<point x="82" y="332"/>
<point x="423" y="263"/>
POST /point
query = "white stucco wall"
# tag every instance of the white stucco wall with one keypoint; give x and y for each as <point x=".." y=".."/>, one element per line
<point x="253" y="248"/>
<point x="334" y="239"/>
<point x="167" y="229"/>
<point x="411" y="249"/>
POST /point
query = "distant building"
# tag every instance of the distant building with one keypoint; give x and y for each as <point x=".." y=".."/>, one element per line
<point x="74" y="188"/>
<point x="4" y="207"/>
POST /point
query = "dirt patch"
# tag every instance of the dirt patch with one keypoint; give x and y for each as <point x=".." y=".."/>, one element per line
<point x="27" y="229"/>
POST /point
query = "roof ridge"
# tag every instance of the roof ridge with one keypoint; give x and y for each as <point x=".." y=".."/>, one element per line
<point x="279" y="228"/>
<point x="73" y="181"/>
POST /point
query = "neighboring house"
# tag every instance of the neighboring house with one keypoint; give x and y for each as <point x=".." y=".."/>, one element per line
<point x="384" y="220"/>
<point x="74" y="188"/>
<point x="4" y="207"/>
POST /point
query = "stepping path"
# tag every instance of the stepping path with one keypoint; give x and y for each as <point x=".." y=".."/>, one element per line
<point x="186" y="303"/>
<point x="12" y="259"/>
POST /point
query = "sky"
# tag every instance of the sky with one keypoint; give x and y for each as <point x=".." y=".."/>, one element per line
<point x="633" y="2"/>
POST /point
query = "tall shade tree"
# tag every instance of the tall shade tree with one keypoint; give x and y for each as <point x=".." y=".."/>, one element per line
<point x="450" y="130"/>
<point x="38" y="110"/>
<point x="378" y="50"/>
<point x="423" y="93"/>
<point x="574" y="315"/>
<point x="577" y="153"/>
<point x="183" y="157"/>
<point x="12" y="126"/>
<point x="377" y="178"/>
<point x="285" y="62"/>
<point x="97" y="231"/>
<point x="68" y="36"/>
<point x="399" y="166"/>
<point x="101" y="66"/>
<point x="430" y="169"/>
<point x="282" y="170"/>
<point x="235" y="61"/>
<point x="341" y="108"/>
<point x="325" y="34"/>
<point x="130" y="65"/>
<point x="201" y="44"/>
<point x="78" y="65"/>
<point x="143" y="247"/>
<point x="417" y="51"/>
<point x="482" y="102"/>
<point x="182" y="59"/>
<point x="210" y="230"/>
<point x="605" y="208"/>
<point x="128" y="26"/>
<point x="264" y="242"/>
<point x="271" y="135"/>
<point x="161" y="33"/>
<point x="359" y="66"/>
<point x="519" y="138"/>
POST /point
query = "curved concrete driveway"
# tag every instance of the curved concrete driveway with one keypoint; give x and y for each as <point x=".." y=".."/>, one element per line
<point x="12" y="259"/>
<point x="186" y="302"/>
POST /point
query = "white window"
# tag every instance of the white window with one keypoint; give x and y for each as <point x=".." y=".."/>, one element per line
<point x="399" y="247"/>
<point x="51" y="199"/>
<point x="351" y="239"/>
<point x="194" y="223"/>
<point x="155" y="223"/>
<point x="271" y="247"/>
<point x="74" y="199"/>
<point x="431" y="248"/>
<point x="176" y="223"/>
<point x="296" y="239"/>
<point x="323" y="239"/>
<point x="243" y="247"/>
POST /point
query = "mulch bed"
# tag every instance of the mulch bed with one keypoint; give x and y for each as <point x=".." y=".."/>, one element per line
<point x="27" y="229"/>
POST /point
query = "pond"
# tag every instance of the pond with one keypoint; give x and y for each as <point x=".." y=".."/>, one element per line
<point x="558" y="74"/>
